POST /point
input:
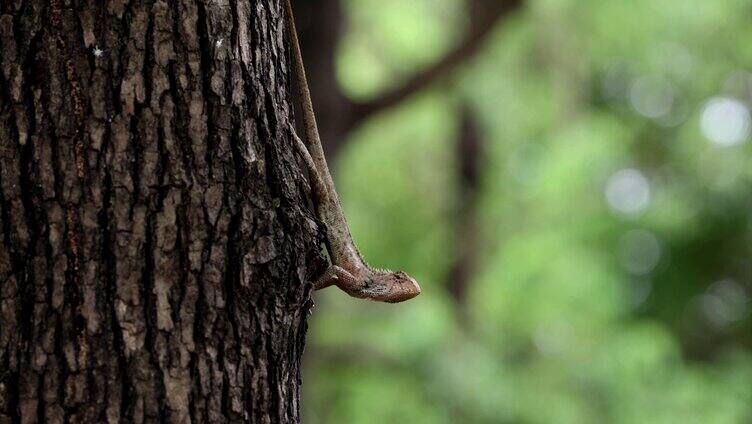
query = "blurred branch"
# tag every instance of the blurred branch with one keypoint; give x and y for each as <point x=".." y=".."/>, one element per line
<point x="468" y="153"/>
<point x="481" y="26"/>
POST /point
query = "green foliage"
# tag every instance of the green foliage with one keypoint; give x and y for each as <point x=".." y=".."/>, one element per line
<point x="583" y="308"/>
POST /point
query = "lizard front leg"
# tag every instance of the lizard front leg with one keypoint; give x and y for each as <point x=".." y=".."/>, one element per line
<point x="334" y="276"/>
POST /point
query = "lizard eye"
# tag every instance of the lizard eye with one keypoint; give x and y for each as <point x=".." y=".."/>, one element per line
<point x="400" y="275"/>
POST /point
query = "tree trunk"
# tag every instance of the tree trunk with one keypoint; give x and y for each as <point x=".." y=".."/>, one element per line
<point x="154" y="227"/>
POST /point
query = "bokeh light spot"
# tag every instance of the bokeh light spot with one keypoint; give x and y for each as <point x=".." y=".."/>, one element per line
<point x="725" y="302"/>
<point x="725" y="121"/>
<point x="639" y="252"/>
<point x="651" y="96"/>
<point x="628" y="192"/>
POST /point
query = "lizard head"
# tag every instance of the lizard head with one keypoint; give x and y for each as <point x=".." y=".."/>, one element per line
<point x="393" y="287"/>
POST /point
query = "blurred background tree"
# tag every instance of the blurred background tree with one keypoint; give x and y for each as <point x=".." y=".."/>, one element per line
<point x="570" y="182"/>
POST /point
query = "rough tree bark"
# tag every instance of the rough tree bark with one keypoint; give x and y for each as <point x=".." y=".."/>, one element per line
<point x="154" y="227"/>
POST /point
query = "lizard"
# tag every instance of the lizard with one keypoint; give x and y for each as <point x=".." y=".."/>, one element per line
<point x="348" y="270"/>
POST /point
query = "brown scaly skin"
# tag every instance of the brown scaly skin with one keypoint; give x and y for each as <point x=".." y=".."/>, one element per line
<point x="349" y="271"/>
